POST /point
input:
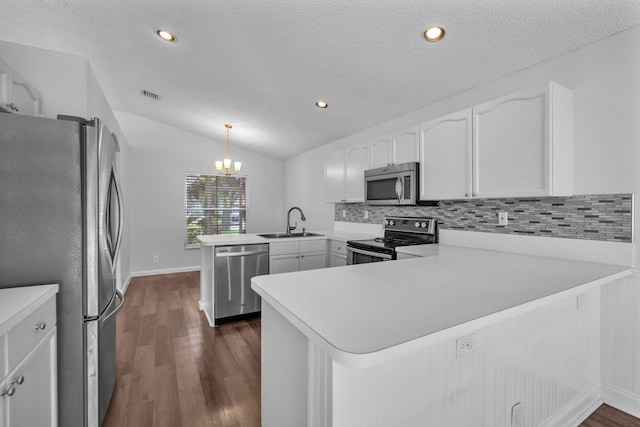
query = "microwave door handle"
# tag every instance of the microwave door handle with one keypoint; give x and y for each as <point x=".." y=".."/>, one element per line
<point x="399" y="189"/>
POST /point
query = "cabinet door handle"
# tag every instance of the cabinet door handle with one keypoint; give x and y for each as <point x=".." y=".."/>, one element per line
<point x="18" y="380"/>
<point x="41" y="326"/>
<point x="9" y="392"/>
<point x="475" y="194"/>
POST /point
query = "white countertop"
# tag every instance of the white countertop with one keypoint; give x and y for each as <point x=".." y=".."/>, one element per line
<point x="419" y="250"/>
<point x="361" y="314"/>
<point x="247" y="239"/>
<point x="14" y="300"/>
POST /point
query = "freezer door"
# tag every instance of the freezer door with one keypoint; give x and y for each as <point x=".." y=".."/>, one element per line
<point x="104" y="218"/>
<point x="101" y="362"/>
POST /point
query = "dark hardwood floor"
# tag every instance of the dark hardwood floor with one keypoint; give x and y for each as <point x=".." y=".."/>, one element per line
<point x="174" y="370"/>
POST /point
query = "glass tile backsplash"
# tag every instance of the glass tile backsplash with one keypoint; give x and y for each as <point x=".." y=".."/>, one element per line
<point x="607" y="217"/>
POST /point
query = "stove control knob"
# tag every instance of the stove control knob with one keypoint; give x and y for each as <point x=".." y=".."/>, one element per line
<point x="391" y="222"/>
<point x="386" y="222"/>
<point x="417" y="224"/>
<point x="424" y="225"/>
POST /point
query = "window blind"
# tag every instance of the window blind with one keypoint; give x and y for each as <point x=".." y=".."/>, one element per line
<point x="214" y="204"/>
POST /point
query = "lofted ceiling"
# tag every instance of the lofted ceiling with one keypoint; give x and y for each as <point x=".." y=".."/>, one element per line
<point x="261" y="65"/>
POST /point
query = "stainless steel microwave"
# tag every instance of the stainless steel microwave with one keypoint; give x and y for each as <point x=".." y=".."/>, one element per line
<point x="392" y="185"/>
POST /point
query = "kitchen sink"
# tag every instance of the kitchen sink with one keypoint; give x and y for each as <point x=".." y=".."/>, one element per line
<point x="286" y="236"/>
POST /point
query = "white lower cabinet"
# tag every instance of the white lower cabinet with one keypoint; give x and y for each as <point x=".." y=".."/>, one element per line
<point x="288" y="256"/>
<point x="29" y="338"/>
<point x="337" y="253"/>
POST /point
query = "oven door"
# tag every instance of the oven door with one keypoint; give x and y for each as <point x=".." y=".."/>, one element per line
<point x="361" y="256"/>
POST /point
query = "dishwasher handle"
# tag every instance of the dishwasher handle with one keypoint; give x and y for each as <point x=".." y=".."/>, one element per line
<point x="237" y="254"/>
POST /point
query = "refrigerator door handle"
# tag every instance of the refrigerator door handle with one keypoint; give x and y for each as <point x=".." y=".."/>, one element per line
<point x="118" y="187"/>
<point x="114" y="242"/>
<point x="117" y="310"/>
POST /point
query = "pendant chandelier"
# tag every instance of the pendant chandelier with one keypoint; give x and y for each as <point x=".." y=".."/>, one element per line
<point x="226" y="163"/>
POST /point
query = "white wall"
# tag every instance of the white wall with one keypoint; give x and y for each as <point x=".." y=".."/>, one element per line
<point x="160" y="155"/>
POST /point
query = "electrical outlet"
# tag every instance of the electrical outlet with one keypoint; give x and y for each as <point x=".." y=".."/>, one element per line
<point x="581" y="301"/>
<point x="465" y="346"/>
<point x="344" y="213"/>
<point x="156" y="259"/>
<point x="516" y="415"/>
<point x="503" y="218"/>
<point x="366" y="214"/>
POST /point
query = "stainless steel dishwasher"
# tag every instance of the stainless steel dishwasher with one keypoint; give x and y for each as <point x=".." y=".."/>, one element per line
<point x="235" y="265"/>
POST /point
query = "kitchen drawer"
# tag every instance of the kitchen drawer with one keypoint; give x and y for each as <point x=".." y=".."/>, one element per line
<point x="313" y="246"/>
<point x="283" y="248"/>
<point x="338" y="247"/>
<point x="23" y="337"/>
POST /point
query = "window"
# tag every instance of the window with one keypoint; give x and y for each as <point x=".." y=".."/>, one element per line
<point x="214" y="204"/>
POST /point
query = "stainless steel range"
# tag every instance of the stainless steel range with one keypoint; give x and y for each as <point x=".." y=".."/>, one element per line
<point x="398" y="231"/>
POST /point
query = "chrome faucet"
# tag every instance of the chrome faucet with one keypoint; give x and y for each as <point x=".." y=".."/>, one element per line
<point x="289" y="227"/>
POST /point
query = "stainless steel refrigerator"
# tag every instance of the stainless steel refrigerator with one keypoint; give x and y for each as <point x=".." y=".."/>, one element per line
<point x="61" y="221"/>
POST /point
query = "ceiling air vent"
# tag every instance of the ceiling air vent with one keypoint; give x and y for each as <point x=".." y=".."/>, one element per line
<point x="150" y="94"/>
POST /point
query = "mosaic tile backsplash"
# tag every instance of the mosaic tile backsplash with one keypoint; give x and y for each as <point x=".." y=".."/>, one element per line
<point x="592" y="217"/>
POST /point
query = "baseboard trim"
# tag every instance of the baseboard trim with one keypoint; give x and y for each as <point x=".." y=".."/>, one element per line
<point x="165" y="271"/>
<point x="126" y="284"/>
<point x="575" y="412"/>
<point x="209" y="319"/>
<point x="621" y="399"/>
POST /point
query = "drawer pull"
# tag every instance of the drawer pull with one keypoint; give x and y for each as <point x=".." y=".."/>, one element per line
<point x="9" y="392"/>
<point x="41" y="326"/>
<point x="18" y="380"/>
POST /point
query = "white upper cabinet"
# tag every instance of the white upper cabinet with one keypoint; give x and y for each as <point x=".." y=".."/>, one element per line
<point x="445" y="157"/>
<point x="356" y="162"/>
<point x="520" y="145"/>
<point x="399" y="147"/>
<point x="5" y="79"/>
<point x="24" y="98"/>
<point x="380" y="152"/>
<point x="523" y="144"/>
<point x="405" y="146"/>
<point x="16" y="94"/>
<point x="344" y="174"/>
<point x="334" y="177"/>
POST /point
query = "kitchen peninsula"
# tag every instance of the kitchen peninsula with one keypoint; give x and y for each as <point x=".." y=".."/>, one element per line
<point x="313" y="249"/>
<point x="460" y="337"/>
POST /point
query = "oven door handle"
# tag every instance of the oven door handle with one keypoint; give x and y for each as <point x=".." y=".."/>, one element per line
<point x="370" y="253"/>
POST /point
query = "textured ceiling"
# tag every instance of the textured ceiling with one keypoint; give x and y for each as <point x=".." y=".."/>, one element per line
<point x="261" y="65"/>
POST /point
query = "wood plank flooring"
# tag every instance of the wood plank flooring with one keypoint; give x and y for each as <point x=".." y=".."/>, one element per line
<point x="174" y="370"/>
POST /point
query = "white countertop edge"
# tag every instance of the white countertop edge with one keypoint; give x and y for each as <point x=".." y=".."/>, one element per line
<point x="19" y="312"/>
<point x="254" y="238"/>
<point x="356" y="360"/>
<point x="598" y="251"/>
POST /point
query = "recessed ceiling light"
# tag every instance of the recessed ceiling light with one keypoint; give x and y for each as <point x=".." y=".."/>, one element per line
<point x="166" y="35"/>
<point x="433" y="34"/>
<point x="321" y="104"/>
